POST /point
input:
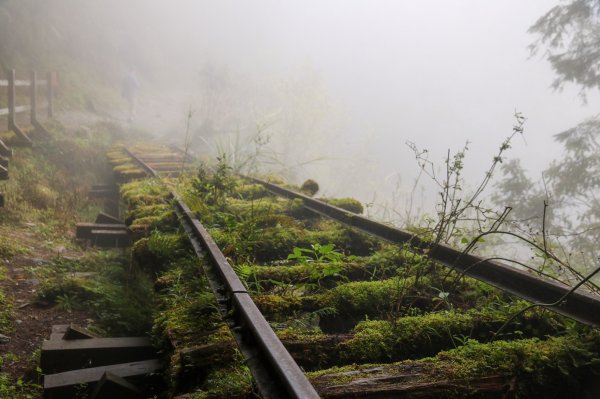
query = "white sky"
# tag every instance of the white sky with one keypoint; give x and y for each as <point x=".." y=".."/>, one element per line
<point x="436" y="72"/>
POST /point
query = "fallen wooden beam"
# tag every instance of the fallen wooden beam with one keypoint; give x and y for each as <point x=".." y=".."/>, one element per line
<point x="111" y="238"/>
<point x="84" y="230"/>
<point x="105" y="218"/>
<point x="66" y="384"/>
<point x="112" y="386"/>
<point x="5" y="151"/>
<point x="103" y="192"/>
<point x="62" y="355"/>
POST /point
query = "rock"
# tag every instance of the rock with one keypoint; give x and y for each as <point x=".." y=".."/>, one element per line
<point x="40" y="261"/>
<point x="60" y="249"/>
<point x="4" y="339"/>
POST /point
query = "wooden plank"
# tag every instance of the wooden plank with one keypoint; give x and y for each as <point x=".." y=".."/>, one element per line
<point x="65" y="384"/>
<point x="112" y="386"/>
<point x="3" y="173"/>
<point x="5" y="151"/>
<point x="22" y="108"/>
<point x="105" y="218"/>
<point x="84" y="230"/>
<point x="111" y="238"/>
<point x="4" y="162"/>
<point x="62" y="355"/>
<point x="58" y="331"/>
<point x="102" y="194"/>
<point x="74" y="331"/>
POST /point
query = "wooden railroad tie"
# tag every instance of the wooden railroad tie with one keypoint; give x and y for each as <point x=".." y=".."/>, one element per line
<point x="70" y="332"/>
<point x="103" y="191"/>
<point x="66" y="384"/>
<point x="105" y="218"/>
<point x="106" y="235"/>
<point x="76" y="362"/>
<point x="63" y="355"/>
<point x="112" y="386"/>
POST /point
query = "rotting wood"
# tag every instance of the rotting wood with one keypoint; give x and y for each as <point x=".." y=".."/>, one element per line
<point x="62" y="355"/>
<point x="111" y="238"/>
<point x="84" y="230"/>
<point x="77" y="332"/>
<point x="105" y="218"/>
<point x="410" y="381"/>
<point x="64" y="384"/>
<point x="112" y="386"/>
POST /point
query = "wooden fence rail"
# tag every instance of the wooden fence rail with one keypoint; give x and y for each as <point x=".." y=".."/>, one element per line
<point x="12" y="83"/>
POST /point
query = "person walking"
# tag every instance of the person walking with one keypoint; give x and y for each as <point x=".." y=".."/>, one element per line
<point x="129" y="89"/>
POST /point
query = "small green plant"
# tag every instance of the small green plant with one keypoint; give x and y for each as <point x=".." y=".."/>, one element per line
<point x="66" y="302"/>
<point x="320" y="254"/>
<point x="249" y="277"/>
<point x="214" y="187"/>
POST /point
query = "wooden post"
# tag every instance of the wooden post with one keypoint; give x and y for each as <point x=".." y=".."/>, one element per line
<point x="33" y="98"/>
<point x="33" y="101"/>
<point x="50" y="94"/>
<point x="11" y="99"/>
<point x="12" y="125"/>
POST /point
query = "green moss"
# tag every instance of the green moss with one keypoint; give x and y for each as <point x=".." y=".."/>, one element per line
<point x="251" y="191"/>
<point x="268" y="244"/>
<point x="233" y="382"/>
<point x="419" y="336"/>
<point x="6" y="314"/>
<point x="349" y="204"/>
<point x="548" y="369"/>
<point x="309" y="187"/>
<point x="10" y="247"/>
<point x="373" y="297"/>
<point x="554" y="368"/>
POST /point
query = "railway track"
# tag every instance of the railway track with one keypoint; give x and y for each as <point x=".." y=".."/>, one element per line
<point x="324" y="302"/>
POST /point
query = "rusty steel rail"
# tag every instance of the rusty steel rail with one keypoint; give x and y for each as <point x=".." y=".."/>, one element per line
<point x="579" y="306"/>
<point x="275" y="372"/>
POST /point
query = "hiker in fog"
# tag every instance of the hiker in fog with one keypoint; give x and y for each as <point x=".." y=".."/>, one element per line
<point x="129" y="90"/>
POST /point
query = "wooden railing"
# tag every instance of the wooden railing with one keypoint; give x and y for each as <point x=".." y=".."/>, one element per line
<point x="13" y="84"/>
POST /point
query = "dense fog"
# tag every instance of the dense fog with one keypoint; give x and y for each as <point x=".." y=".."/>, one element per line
<point x="331" y="90"/>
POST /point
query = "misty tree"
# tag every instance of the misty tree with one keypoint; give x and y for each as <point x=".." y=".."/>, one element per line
<point x="569" y="36"/>
<point x="517" y="191"/>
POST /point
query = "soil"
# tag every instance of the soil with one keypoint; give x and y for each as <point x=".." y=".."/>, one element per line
<point x="32" y="320"/>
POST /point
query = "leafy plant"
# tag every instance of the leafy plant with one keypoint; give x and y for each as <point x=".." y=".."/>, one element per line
<point x="321" y="254"/>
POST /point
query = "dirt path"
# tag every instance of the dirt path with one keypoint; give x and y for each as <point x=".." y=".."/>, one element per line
<point x="32" y="320"/>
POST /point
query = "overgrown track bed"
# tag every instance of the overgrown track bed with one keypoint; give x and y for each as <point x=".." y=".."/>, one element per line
<point x="367" y="318"/>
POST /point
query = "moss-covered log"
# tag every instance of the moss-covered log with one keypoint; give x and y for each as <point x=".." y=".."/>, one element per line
<point x="556" y="368"/>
